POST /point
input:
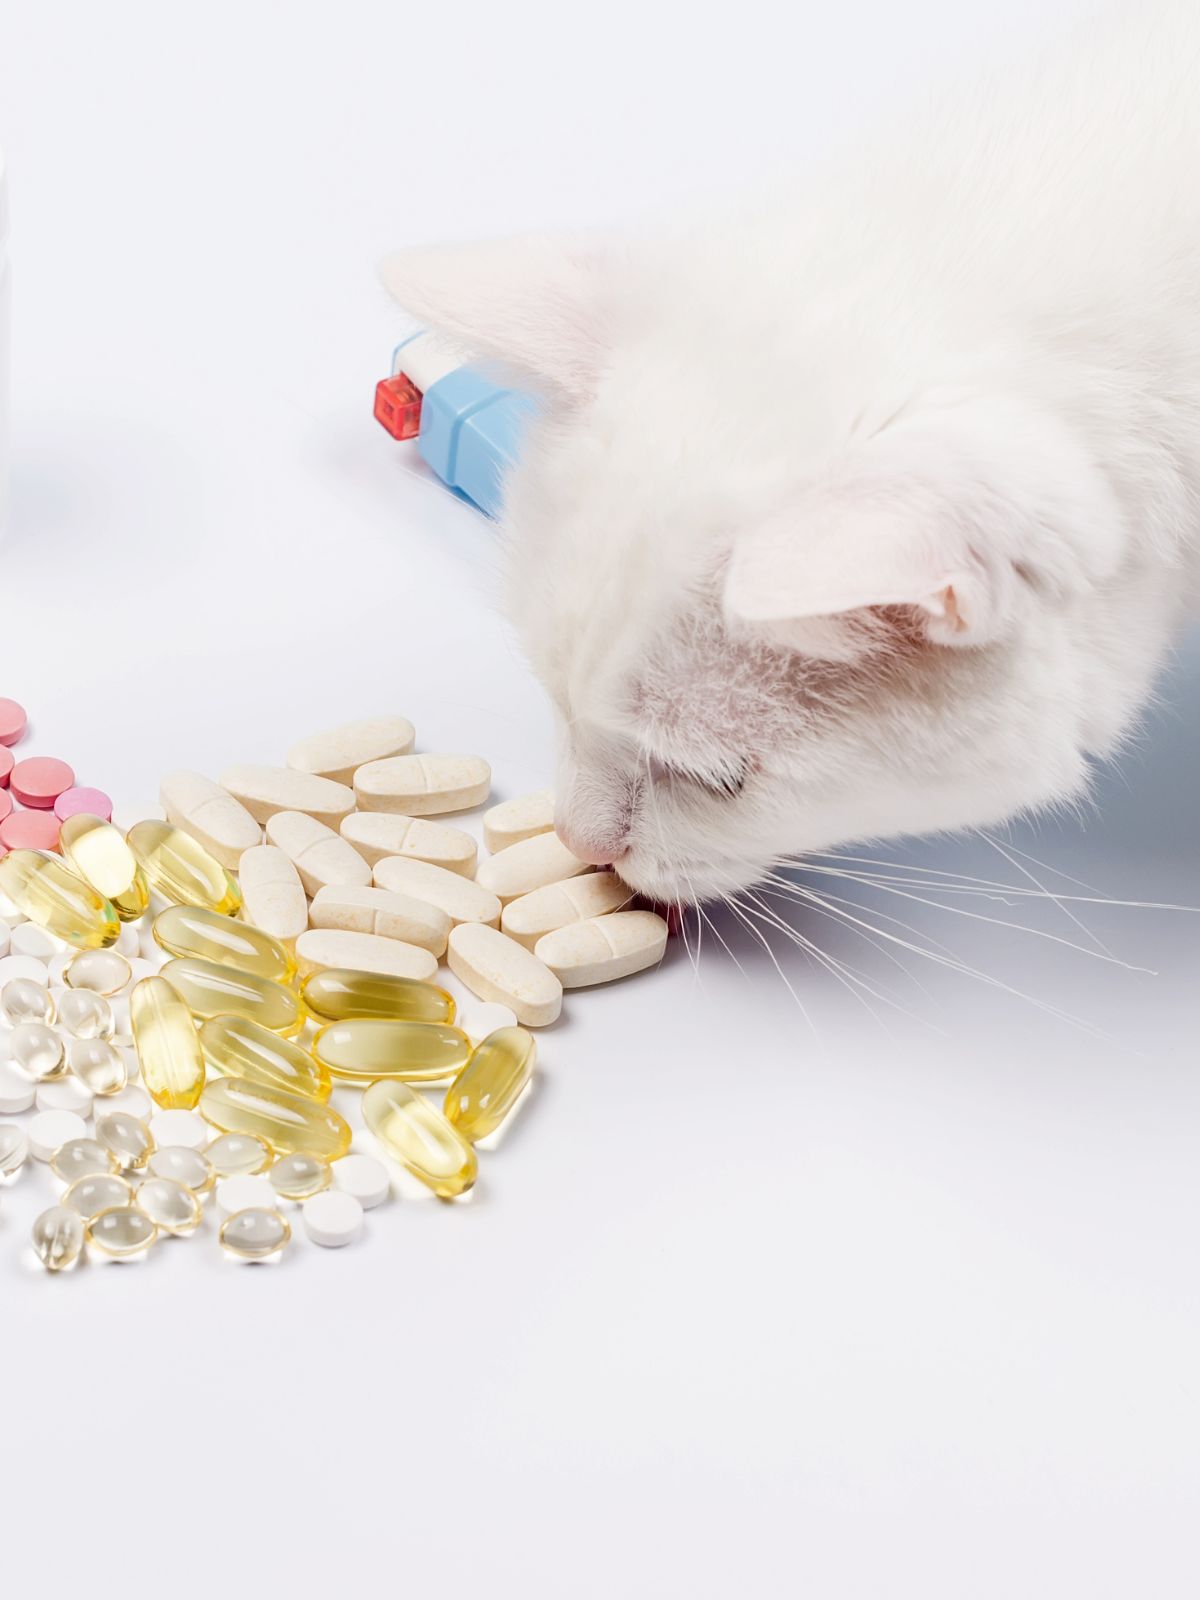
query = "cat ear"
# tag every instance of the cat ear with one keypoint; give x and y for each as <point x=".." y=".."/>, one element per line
<point x="535" y="304"/>
<point x="816" y="577"/>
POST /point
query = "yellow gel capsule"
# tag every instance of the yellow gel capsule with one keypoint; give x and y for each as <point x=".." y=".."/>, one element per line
<point x="236" y="1155"/>
<point x="58" y="1238"/>
<point x="167" y="1047"/>
<point x="255" y="1234"/>
<point x="286" y="1122"/>
<point x="209" y="936"/>
<point x="99" y="854"/>
<point x="364" y="1049"/>
<point x="181" y="870"/>
<point x="57" y="899"/>
<point x="420" y="1138"/>
<point x="491" y="1083"/>
<point x="122" y="1232"/>
<point x="340" y="993"/>
<point x="212" y="991"/>
<point x="237" y="1048"/>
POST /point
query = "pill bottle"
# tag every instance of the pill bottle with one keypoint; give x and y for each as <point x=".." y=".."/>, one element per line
<point x="5" y="344"/>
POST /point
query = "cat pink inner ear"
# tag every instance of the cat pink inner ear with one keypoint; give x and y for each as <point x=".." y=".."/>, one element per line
<point x="534" y="304"/>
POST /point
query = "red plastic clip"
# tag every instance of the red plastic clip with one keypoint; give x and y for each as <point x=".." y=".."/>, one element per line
<point x="398" y="406"/>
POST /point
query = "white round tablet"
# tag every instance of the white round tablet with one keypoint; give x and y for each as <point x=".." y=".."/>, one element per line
<point x="29" y="940"/>
<point x="17" y="1092"/>
<point x="245" y="1192"/>
<point x="50" y="1130"/>
<point x="22" y="967"/>
<point x="5" y="936"/>
<point x="134" y="1101"/>
<point x="332" y="1218"/>
<point x="58" y="965"/>
<point x="363" y="1177"/>
<point x="185" y="1128"/>
<point x="64" y="1094"/>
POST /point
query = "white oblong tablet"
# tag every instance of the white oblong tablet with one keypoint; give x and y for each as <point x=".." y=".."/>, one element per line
<point x="514" y="820"/>
<point x="375" y="834"/>
<point x="265" y="790"/>
<point x="604" y="948"/>
<point x="319" y="855"/>
<point x="356" y="908"/>
<point x="50" y="1130"/>
<point x="322" y="948"/>
<point x="245" y="1191"/>
<point x="27" y="967"/>
<point x="528" y="865"/>
<point x="460" y="898"/>
<point x="64" y="1094"/>
<point x="273" y="897"/>
<point x="339" y="752"/>
<point x="17" y="1092"/>
<point x="332" y="1218"/>
<point x="27" y="939"/>
<point x="423" y="786"/>
<point x="496" y="967"/>
<point x="199" y="807"/>
<point x="531" y="916"/>
<point x="174" y="1128"/>
<point x="363" y="1177"/>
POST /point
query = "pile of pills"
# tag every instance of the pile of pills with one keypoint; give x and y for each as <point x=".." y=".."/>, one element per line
<point x="37" y="793"/>
<point x="193" y="1011"/>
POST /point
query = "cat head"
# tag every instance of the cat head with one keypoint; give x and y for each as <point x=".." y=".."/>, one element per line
<point x="788" y="580"/>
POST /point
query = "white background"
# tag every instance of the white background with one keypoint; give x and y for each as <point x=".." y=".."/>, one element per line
<point x="871" y="1304"/>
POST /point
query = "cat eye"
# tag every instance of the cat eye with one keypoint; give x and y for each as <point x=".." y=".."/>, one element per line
<point x="725" y="783"/>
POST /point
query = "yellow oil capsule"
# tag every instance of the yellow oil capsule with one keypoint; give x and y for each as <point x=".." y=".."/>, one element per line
<point x="491" y="1083"/>
<point x="420" y="1138"/>
<point x="237" y="1048"/>
<point x="129" y="1139"/>
<point x="122" y="1232"/>
<point x="212" y="991"/>
<point x="339" y="993"/>
<point x="365" y="1049"/>
<point x="102" y="972"/>
<point x="286" y="1122"/>
<point x="255" y="1234"/>
<point x="58" y="1238"/>
<point x="181" y="870"/>
<point x="47" y="892"/>
<point x="194" y="931"/>
<point x="99" y="854"/>
<point x="167" y="1046"/>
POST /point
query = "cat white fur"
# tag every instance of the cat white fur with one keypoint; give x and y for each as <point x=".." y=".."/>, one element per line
<point x="874" y="512"/>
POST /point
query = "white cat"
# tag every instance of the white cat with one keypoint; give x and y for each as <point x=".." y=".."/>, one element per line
<point x="875" y="513"/>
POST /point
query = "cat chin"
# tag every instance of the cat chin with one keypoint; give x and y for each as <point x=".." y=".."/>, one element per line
<point x="687" y="883"/>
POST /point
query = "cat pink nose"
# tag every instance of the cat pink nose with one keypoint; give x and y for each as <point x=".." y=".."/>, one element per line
<point x="593" y="851"/>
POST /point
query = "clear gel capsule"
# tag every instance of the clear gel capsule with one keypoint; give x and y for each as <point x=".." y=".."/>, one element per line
<point x="23" y="1000"/>
<point x="181" y="870"/>
<point x="193" y="931"/>
<point x="99" y="1191"/>
<point x="255" y="1234"/>
<point x="38" y="1051"/>
<point x="81" y="1158"/>
<point x="212" y="991"/>
<point x="58" y="1238"/>
<point x="168" y="1050"/>
<point x="420" y="1138"/>
<point x="192" y="1168"/>
<point x="339" y="993"/>
<point x="102" y="972"/>
<point x="14" y="1149"/>
<point x="491" y="1083"/>
<point x="286" y="1122"/>
<point x="300" y="1175"/>
<point x="99" y="854"/>
<point x="98" y="1065"/>
<point x="85" y="1014"/>
<point x="170" y="1205"/>
<point x="122" y="1232"/>
<point x="128" y="1138"/>
<point x="237" y="1048"/>
<point x="47" y="892"/>
<point x="365" y="1049"/>
<point x="238" y="1155"/>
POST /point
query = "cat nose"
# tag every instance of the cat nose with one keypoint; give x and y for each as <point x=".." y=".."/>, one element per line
<point x="595" y="852"/>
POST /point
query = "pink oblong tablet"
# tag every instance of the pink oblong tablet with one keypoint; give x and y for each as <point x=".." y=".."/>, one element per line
<point x="83" y="802"/>
<point x="39" y="780"/>
<point x="6" y="765"/>
<point x="12" y="721"/>
<point x="30" y="830"/>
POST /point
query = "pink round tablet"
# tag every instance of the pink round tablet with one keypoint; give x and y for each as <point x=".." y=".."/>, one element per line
<point x="6" y="765"/>
<point x="39" y="780"/>
<point x="12" y="721"/>
<point x="88" y="802"/>
<point x="5" y="804"/>
<point x="30" y="830"/>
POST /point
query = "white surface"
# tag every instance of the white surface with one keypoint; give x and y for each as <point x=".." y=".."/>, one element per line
<point x="245" y="1192"/>
<point x="880" y="1307"/>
